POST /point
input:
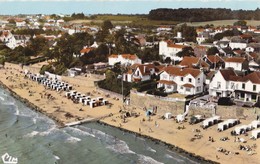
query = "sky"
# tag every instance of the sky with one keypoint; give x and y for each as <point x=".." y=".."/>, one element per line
<point x="13" y="7"/>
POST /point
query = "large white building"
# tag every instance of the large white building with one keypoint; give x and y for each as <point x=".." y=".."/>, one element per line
<point x="186" y="81"/>
<point x="169" y="49"/>
<point x="124" y="59"/>
<point x="226" y="83"/>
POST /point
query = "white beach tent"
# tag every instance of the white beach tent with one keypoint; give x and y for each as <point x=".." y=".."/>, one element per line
<point x="168" y="115"/>
<point x="180" y="118"/>
<point x="256" y="133"/>
<point x="210" y="121"/>
<point x="255" y="124"/>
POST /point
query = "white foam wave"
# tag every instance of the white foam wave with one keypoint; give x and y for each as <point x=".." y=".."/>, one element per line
<point x="147" y="160"/>
<point x="32" y="134"/>
<point x="150" y="149"/>
<point x="2" y="98"/>
<point x="120" y="147"/>
<point x="56" y="157"/>
<point x="52" y="130"/>
<point x="80" y="132"/>
<point x="73" y="139"/>
<point x="168" y="156"/>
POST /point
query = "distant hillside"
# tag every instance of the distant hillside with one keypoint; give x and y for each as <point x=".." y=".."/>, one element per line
<point x="203" y="14"/>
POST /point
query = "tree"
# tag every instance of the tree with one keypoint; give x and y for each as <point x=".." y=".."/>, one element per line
<point x="212" y="51"/>
<point x="168" y="60"/>
<point x="107" y="25"/>
<point x="240" y="23"/>
<point x="186" y="51"/>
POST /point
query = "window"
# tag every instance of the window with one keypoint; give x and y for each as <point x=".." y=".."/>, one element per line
<point x="190" y="80"/>
<point x="253" y="97"/>
<point x="243" y="86"/>
<point x="218" y="85"/>
<point x="242" y="95"/>
<point x="198" y="80"/>
<point x="181" y="78"/>
<point x="254" y="87"/>
<point x="198" y="89"/>
<point x="187" y="89"/>
<point x="181" y="87"/>
<point x="232" y="86"/>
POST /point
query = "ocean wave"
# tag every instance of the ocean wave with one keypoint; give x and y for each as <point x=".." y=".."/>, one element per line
<point x="150" y="149"/>
<point x="78" y="131"/>
<point x="32" y="134"/>
<point x="73" y="139"/>
<point x="56" y="157"/>
<point x="1" y="98"/>
<point x="147" y="160"/>
<point x="180" y="156"/>
<point x="120" y="147"/>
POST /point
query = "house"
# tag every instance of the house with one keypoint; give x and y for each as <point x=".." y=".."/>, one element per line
<point x="238" y="43"/>
<point x="13" y="41"/>
<point x="193" y="62"/>
<point x="214" y="61"/>
<point x="226" y="83"/>
<point x="139" y="72"/>
<point x="237" y="63"/>
<point x="247" y="87"/>
<point x="20" y="23"/>
<point x="220" y="84"/>
<point x="253" y="66"/>
<point x="124" y="59"/>
<point x="163" y="28"/>
<point x="169" y="49"/>
<point x="86" y="50"/>
<point x="6" y="36"/>
<point x="200" y="51"/>
<point x="188" y="81"/>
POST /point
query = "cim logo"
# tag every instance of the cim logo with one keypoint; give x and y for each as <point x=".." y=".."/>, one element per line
<point x="7" y="159"/>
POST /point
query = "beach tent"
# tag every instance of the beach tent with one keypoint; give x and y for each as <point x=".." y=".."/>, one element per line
<point x="227" y="124"/>
<point x="180" y="118"/>
<point x="256" y="133"/>
<point x="255" y="124"/>
<point x="210" y="121"/>
<point x="168" y="115"/>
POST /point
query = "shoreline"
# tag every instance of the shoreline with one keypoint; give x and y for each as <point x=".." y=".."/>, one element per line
<point x="168" y="145"/>
<point x="61" y="124"/>
<point x="166" y="132"/>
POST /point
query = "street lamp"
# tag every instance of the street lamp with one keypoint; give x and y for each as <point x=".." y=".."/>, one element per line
<point x="121" y="77"/>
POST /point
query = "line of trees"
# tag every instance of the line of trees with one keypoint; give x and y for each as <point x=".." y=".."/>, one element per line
<point x="203" y="14"/>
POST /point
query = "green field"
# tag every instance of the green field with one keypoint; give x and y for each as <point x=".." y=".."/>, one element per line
<point x="138" y="20"/>
<point x="223" y="23"/>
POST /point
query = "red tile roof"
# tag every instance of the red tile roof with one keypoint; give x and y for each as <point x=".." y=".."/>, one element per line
<point x="254" y="77"/>
<point x="126" y="56"/>
<point x="227" y="73"/>
<point x="214" y="58"/>
<point x="86" y="50"/>
<point x="235" y="59"/>
<point x="177" y="71"/>
<point x="176" y="46"/>
<point x="188" y="85"/>
<point x="191" y="61"/>
<point x="166" y="82"/>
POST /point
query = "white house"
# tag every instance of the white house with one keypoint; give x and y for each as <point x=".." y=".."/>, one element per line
<point x="220" y="84"/>
<point x="226" y="83"/>
<point x="239" y="45"/>
<point x="238" y="63"/>
<point x="139" y="72"/>
<point x="247" y="88"/>
<point x="169" y="49"/>
<point x="124" y="59"/>
<point x="186" y="81"/>
<point x="164" y="28"/>
<point x="20" y="23"/>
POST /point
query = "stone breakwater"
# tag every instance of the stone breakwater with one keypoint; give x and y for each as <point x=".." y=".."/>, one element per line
<point x="31" y="105"/>
<point x="174" y="148"/>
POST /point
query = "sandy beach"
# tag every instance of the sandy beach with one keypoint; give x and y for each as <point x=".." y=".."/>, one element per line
<point x="191" y="138"/>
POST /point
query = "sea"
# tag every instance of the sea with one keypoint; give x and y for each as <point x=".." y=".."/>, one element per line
<point x="33" y="138"/>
